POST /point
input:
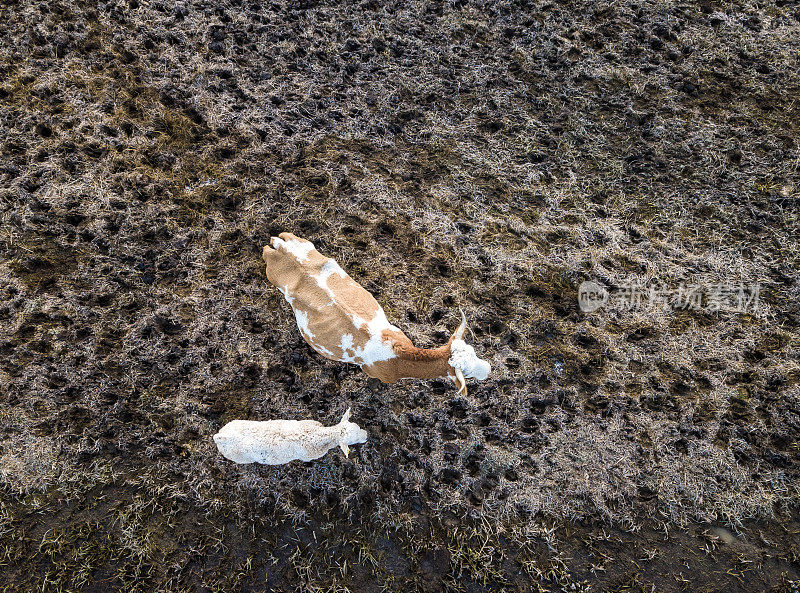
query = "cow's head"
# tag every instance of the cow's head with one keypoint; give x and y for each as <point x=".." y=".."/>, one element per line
<point x="463" y="361"/>
<point x="350" y="433"/>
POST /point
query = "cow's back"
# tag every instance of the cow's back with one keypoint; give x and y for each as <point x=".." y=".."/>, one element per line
<point x="333" y="312"/>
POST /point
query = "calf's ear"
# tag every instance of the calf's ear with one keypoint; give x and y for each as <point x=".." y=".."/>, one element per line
<point x="345" y="448"/>
<point x="346" y="417"/>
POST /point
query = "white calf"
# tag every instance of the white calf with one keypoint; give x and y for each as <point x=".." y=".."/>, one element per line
<point x="275" y="442"/>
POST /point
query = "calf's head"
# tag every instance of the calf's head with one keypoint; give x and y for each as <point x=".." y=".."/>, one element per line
<point x="349" y="433"/>
<point x="463" y="361"/>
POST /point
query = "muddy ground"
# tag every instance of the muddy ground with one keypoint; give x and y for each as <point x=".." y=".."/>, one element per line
<point x="490" y="156"/>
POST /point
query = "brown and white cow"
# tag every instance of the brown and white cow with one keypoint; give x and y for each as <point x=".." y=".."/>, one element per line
<point x="342" y="321"/>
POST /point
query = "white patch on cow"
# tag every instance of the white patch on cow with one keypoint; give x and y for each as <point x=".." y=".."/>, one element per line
<point x="463" y="357"/>
<point x="299" y="249"/>
<point x="347" y="342"/>
<point x="358" y="321"/>
<point x="383" y="323"/>
<point x="323" y="350"/>
<point x="329" y="269"/>
<point x="376" y="349"/>
<point x="347" y="348"/>
<point x="302" y="323"/>
<point x="285" y="293"/>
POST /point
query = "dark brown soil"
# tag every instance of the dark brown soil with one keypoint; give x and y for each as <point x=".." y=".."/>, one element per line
<point x="490" y="156"/>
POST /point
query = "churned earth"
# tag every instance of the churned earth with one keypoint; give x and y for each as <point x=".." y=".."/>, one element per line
<point x="490" y="156"/>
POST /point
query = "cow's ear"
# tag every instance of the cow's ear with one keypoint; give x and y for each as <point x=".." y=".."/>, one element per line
<point x="345" y="448"/>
